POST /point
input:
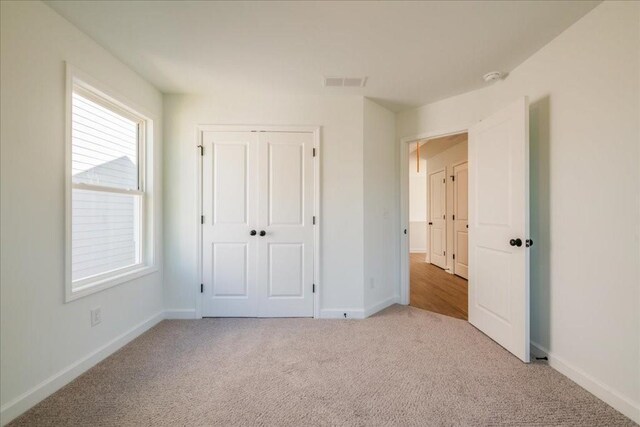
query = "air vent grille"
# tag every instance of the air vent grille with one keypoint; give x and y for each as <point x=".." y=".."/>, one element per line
<point x="334" y="81"/>
<point x="345" y="81"/>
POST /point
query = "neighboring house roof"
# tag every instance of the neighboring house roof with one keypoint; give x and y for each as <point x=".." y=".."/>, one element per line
<point x="120" y="172"/>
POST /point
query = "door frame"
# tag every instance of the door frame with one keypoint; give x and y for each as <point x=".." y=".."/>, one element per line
<point x="454" y="204"/>
<point x="404" y="203"/>
<point x="429" y="219"/>
<point x="315" y="130"/>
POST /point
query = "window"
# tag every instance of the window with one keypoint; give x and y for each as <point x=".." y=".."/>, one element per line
<point x="107" y="216"/>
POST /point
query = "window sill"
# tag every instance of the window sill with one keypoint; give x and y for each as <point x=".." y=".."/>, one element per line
<point x="108" y="282"/>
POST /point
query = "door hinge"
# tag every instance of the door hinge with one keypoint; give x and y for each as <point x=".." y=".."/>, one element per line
<point x="313" y="288"/>
<point x="453" y="177"/>
<point x="201" y="219"/>
<point x="201" y="287"/>
<point x="314" y="152"/>
<point x="314" y="220"/>
<point x="454" y="217"/>
<point x="444" y="253"/>
<point x="201" y="147"/>
<point x="444" y="217"/>
<point x="454" y="256"/>
<point x="444" y="181"/>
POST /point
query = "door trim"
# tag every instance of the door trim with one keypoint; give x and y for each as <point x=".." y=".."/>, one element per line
<point x="404" y="202"/>
<point x="315" y="130"/>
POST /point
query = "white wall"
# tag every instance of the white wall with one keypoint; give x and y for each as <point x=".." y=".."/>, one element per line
<point x="418" y="202"/>
<point x="381" y="229"/>
<point x="46" y="342"/>
<point x="584" y="88"/>
<point x="341" y="156"/>
<point x="585" y="188"/>
<point x="447" y="159"/>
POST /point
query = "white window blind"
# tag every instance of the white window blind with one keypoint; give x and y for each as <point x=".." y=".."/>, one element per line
<point x="105" y="146"/>
<point x="107" y="189"/>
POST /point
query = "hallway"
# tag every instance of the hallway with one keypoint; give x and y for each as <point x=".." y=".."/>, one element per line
<point x="436" y="290"/>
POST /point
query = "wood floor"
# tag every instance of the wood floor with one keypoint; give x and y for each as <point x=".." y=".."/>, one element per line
<point x="436" y="290"/>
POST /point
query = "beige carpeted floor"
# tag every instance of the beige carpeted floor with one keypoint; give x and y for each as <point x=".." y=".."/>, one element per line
<point x="404" y="366"/>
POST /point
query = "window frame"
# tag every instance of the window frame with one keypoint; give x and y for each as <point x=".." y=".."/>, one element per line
<point x="86" y="87"/>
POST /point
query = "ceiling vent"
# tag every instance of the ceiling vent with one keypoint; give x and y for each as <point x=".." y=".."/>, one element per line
<point x="345" y="81"/>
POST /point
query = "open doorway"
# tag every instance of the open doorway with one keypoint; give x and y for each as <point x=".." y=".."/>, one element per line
<point x="438" y="225"/>
<point x="498" y="219"/>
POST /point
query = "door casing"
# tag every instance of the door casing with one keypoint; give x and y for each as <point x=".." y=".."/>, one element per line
<point x="317" y="256"/>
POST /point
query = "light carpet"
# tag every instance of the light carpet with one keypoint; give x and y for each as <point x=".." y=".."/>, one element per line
<point x="403" y="366"/>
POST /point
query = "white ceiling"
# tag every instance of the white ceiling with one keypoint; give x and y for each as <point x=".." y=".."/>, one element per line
<point x="412" y="52"/>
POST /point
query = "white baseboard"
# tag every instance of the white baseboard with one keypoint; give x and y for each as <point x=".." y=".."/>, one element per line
<point x="418" y="250"/>
<point x="180" y="314"/>
<point x="602" y="391"/>
<point x="339" y="313"/>
<point x="357" y="313"/>
<point x="369" y="311"/>
<point x="22" y="403"/>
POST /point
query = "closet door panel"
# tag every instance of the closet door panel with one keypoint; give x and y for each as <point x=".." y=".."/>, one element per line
<point x="285" y="213"/>
<point x="229" y="206"/>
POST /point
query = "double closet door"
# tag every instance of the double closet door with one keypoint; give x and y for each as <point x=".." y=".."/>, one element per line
<point x="258" y="224"/>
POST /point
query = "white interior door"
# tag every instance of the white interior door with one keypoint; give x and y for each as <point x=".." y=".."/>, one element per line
<point x="229" y="207"/>
<point x="285" y="215"/>
<point x="499" y="227"/>
<point x="257" y="233"/>
<point x="461" y="220"/>
<point x="437" y="205"/>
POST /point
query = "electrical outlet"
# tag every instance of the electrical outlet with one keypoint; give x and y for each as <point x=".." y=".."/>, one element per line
<point x="96" y="316"/>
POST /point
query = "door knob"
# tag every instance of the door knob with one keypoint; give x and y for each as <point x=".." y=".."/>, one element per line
<point x="253" y="232"/>
<point x="515" y="242"/>
<point x="263" y="233"/>
<point x="529" y="243"/>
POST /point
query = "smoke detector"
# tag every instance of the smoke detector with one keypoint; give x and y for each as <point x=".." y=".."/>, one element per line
<point x="345" y="81"/>
<point x="493" y="76"/>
